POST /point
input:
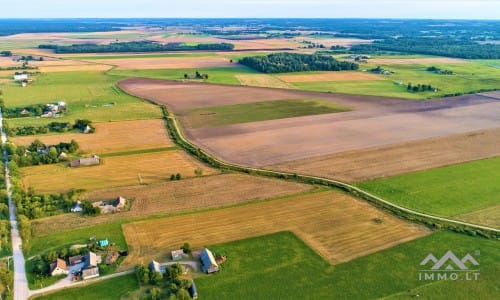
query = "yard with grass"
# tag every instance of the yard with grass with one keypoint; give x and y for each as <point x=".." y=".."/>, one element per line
<point x="114" y="288"/>
<point x="258" y="111"/>
<point x="446" y="191"/>
<point x="281" y="266"/>
<point x="89" y="95"/>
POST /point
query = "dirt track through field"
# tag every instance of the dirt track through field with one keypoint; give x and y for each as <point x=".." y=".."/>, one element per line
<point x="353" y="166"/>
<point x="335" y="225"/>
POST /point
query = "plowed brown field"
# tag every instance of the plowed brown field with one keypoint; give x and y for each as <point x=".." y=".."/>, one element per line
<point x="177" y="196"/>
<point x="336" y="225"/>
<point x="398" y="159"/>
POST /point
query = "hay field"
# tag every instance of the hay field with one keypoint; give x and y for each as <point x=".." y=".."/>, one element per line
<point x="423" y="60"/>
<point x="113" y="172"/>
<point x="167" y="63"/>
<point x="112" y="137"/>
<point x="262" y="80"/>
<point x="75" y="68"/>
<point x="175" y="197"/>
<point x="329" y="76"/>
<point x="378" y="162"/>
<point x="489" y="216"/>
<point x="264" y="44"/>
<point x="335" y="225"/>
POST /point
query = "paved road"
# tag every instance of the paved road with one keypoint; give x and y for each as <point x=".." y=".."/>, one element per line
<point x="21" y="291"/>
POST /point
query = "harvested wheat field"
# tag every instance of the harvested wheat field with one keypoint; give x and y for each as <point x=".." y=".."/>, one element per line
<point x="336" y="225"/>
<point x="424" y="60"/>
<point x="262" y="80"/>
<point x="88" y="67"/>
<point x="360" y="165"/>
<point x="489" y="216"/>
<point x="329" y="76"/>
<point x="177" y="196"/>
<point x="113" y="172"/>
<point x="112" y="137"/>
<point x="264" y="44"/>
<point x="167" y="63"/>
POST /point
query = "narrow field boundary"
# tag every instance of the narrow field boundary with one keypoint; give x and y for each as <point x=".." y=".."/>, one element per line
<point x="414" y="216"/>
<point x="141" y="151"/>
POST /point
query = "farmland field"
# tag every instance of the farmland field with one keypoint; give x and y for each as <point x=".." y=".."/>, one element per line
<point x="373" y="122"/>
<point x="336" y="225"/>
<point x="257" y="111"/>
<point x="112" y="137"/>
<point x="281" y="266"/>
<point x="329" y="76"/>
<point x="113" y="172"/>
<point x="446" y="191"/>
<point x="86" y="94"/>
<point x="262" y="80"/>
<point x="173" y="62"/>
<point x="378" y="162"/>
<point x="176" y="197"/>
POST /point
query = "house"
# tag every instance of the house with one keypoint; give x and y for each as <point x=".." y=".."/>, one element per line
<point x="25" y="112"/>
<point x="92" y="260"/>
<point x="154" y="266"/>
<point x="76" y="207"/>
<point x="59" y="267"/>
<point x="208" y="263"/>
<point x="87" y="161"/>
<point x="74" y="260"/>
<point x="21" y="76"/>
<point x="112" y="257"/>
<point x="103" y="243"/>
<point x="192" y="291"/>
<point x="90" y="273"/>
<point x="87" y="129"/>
<point x="177" y="254"/>
<point x="119" y="203"/>
<point x="63" y="156"/>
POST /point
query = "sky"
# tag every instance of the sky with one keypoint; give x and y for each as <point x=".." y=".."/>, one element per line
<point x="433" y="9"/>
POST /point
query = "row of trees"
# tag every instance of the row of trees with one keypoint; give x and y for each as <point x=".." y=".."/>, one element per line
<point x="143" y="46"/>
<point x="79" y="125"/>
<point x="37" y="153"/>
<point x="294" y="62"/>
<point x="433" y="46"/>
<point x="439" y="71"/>
<point x="27" y="111"/>
<point x="420" y="88"/>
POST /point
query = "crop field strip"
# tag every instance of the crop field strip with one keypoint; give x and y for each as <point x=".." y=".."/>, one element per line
<point x="262" y="80"/>
<point x="176" y="197"/>
<point x="112" y="137"/>
<point x="329" y="76"/>
<point x="447" y="191"/>
<point x="114" y="171"/>
<point x="378" y="162"/>
<point x="337" y="226"/>
<point x="189" y="62"/>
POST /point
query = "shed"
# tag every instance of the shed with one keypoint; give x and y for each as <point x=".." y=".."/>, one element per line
<point x="208" y="263"/>
<point x="59" y="267"/>
<point x="22" y="76"/>
<point x="112" y="257"/>
<point x="119" y="202"/>
<point x="103" y="243"/>
<point x="154" y="266"/>
<point x="76" y="207"/>
<point x="92" y="259"/>
<point x="90" y="273"/>
<point x="192" y="291"/>
<point x="177" y="254"/>
<point x="73" y="260"/>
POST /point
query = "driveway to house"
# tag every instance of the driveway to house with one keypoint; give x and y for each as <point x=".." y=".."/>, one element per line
<point x="21" y="290"/>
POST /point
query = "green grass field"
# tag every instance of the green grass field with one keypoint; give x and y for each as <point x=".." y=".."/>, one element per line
<point x="215" y="75"/>
<point x="44" y="243"/>
<point x="281" y="266"/>
<point x="259" y="111"/>
<point x="114" y="288"/>
<point x="446" y="191"/>
<point x="86" y="93"/>
<point x="384" y="88"/>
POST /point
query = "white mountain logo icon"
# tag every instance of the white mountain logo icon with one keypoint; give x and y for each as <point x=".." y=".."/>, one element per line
<point x="450" y="261"/>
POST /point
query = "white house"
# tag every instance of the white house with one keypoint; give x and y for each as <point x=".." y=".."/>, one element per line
<point x="76" y="207"/>
<point x="59" y="267"/>
<point x="19" y="77"/>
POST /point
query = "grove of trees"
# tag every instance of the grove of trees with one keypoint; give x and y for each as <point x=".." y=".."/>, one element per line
<point x="294" y="62"/>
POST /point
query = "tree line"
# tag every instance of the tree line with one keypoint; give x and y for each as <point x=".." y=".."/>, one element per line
<point x="143" y="46"/>
<point x="294" y="62"/>
<point x="79" y="125"/>
<point x="432" y="46"/>
<point x="37" y="153"/>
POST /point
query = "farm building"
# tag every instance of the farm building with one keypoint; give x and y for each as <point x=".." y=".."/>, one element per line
<point x="192" y="291"/>
<point x="208" y="263"/>
<point x="21" y="76"/>
<point x="90" y="273"/>
<point x="92" y="259"/>
<point x="112" y="257"/>
<point x="58" y="267"/>
<point x="154" y="266"/>
<point x="177" y="254"/>
<point x="76" y="207"/>
<point x="73" y="260"/>
<point x="119" y="203"/>
<point x="87" y="161"/>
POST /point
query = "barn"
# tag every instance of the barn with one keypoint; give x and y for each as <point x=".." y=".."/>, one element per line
<point x="208" y="263"/>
